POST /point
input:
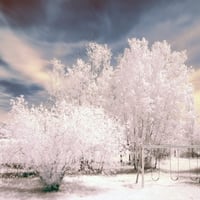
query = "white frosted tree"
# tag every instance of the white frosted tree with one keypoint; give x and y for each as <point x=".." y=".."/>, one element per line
<point x="151" y="94"/>
<point x="83" y="83"/>
<point x="52" y="140"/>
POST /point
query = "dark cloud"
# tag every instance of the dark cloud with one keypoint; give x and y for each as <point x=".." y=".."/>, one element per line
<point x="15" y="88"/>
<point x="12" y="71"/>
<point x="22" y="13"/>
<point x="76" y="20"/>
<point x="3" y="63"/>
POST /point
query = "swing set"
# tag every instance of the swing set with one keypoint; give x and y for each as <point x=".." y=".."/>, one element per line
<point x="172" y="153"/>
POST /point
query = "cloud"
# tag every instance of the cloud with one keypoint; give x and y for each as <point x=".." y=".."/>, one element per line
<point x="67" y="52"/>
<point x="24" y="59"/>
<point x="22" y="69"/>
<point x="4" y="73"/>
<point x="15" y="88"/>
<point x="76" y="20"/>
<point x="195" y="79"/>
<point x="189" y="39"/>
<point x="9" y="89"/>
<point x="3" y="116"/>
<point x="188" y="35"/>
<point x="23" y="12"/>
<point x="197" y="101"/>
<point x="4" y="101"/>
<point x="177" y="22"/>
<point x="4" y="97"/>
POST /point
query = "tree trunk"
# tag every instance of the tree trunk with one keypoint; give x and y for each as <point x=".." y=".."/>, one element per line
<point x="52" y="187"/>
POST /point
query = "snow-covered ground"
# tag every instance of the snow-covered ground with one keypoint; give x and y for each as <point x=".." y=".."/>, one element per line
<point x="103" y="188"/>
<point x="122" y="186"/>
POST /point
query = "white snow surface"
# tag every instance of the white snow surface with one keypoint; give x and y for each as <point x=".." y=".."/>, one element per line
<point x="101" y="187"/>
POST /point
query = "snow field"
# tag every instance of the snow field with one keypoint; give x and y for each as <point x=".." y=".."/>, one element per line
<point x="103" y="187"/>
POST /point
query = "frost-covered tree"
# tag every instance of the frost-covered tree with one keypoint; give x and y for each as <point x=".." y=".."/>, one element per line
<point x="83" y="83"/>
<point x="52" y="140"/>
<point x="152" y="95"/>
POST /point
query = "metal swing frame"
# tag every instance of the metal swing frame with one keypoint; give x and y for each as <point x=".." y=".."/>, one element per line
<point x="178" y="147"/>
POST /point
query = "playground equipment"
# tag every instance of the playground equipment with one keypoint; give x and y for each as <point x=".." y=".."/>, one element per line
<point x="173" y="154"/>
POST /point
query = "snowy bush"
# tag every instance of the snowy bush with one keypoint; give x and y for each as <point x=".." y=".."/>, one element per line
<point x="52" y="140"/>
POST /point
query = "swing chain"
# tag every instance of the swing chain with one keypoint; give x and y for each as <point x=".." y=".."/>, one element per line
<point x="154" y="168"/>
<point x="177" y="155"/>
<point x="190" y="168"/>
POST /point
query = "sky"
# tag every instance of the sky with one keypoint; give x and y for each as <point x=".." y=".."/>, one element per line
<point x="32" y="32"/>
